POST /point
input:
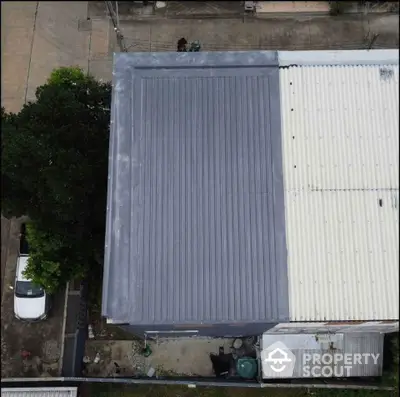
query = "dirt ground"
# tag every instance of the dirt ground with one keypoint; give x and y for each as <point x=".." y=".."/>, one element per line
<point x="183" y="356"/>
<point x="5" y="234"/>
<point x="41" y="339"/>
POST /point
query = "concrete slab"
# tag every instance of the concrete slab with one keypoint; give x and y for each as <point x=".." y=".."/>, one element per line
<point x="253" y="34"/>
<point x="387" y="29"/>
<point x="293" y="6"/>
<point x="17" y="30"/>
<point x="101" y="69"/>
<point x="97" y="9"/>
<point x="184" y="356"/>
<point x="202" y="8"/>
<point x="100" y="39"/>
<point x="137" y="35"/>
<point x="57" y="41"/>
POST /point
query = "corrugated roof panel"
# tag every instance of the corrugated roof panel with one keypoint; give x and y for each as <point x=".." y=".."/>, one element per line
<point x="40" y="392"/>
<point x="195" y="229"/>
<point x="340" y="128"/>
<point x="307" y="348"/>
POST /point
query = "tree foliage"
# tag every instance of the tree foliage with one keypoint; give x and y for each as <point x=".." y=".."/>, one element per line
<point x="54" y="170"/>
<point x="341" y="7"/>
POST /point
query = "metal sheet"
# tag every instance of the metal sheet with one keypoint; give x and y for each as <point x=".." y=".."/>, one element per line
<point x="340" y="128"/>
<point x="305" y="347"/>
<point x="195" y="218"/>
<point x="40" y="392"/>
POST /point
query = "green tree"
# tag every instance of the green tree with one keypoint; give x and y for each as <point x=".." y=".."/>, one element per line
<point x="341" y="7"/>
<point x="54" y="170"/>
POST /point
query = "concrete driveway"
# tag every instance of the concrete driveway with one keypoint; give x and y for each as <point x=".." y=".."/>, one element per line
<point x="41" y="339"/>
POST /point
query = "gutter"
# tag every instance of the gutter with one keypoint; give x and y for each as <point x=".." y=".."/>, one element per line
<point x="7" y="382"/>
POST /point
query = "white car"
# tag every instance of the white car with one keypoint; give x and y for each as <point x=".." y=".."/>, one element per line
<point x="31" y="303"/>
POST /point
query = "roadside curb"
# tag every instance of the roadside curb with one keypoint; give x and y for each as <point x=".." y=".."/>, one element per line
<point x="60" y="363"/>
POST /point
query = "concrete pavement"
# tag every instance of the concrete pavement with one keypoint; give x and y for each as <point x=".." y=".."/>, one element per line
<point x="39" y="36"/>
<point x="17" y="30"/>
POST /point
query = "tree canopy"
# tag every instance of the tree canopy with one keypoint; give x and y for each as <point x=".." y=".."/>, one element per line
<point x="54" y="170"/>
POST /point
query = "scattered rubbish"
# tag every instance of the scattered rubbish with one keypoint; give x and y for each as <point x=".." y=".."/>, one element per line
<point x="97" y="358"/>
<point x="181" y="45"/>
<point x="103" y="333"/>
<point x="86" y="360"/>
<point x="90" y="332"/>
<point x="160" y="4"/>
<point x="237" y="343"/>
<point x="25" y="354"/>
<point x="151" y="372"/>
<point x="195" y="46"/>
<point x="146" y="351"/>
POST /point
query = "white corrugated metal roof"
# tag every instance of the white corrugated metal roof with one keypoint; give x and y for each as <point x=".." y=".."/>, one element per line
<point x="340" y="132"/>
<point x="303" y="347"/>
<point x="40" y="392"/>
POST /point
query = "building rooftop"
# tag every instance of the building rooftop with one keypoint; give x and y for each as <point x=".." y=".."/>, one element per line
<point x="253" y="187"/>
<point x="340" y="135"/>
<point x="195" y="227"/>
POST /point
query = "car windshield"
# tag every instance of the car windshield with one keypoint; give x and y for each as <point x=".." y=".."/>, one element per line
<point x="26" y="289"/>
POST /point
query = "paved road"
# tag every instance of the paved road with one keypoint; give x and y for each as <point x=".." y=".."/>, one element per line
<point x="36" y="38"/>
<point x="39" y="36"/>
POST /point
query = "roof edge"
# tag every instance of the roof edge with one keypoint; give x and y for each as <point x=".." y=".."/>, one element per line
<point x="194" y="59"/>
<point x="340" y="57"/>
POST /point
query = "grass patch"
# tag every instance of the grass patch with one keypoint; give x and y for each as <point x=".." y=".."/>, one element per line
<point x="107" y="390"/>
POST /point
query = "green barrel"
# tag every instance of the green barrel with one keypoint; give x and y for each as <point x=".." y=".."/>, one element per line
<point x="246" y="367"/>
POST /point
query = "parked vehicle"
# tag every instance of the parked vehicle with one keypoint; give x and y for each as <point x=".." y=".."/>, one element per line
<point x="31" y="303"/>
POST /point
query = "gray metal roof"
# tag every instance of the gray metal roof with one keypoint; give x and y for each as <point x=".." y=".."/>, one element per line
<point x="195" y="213"/>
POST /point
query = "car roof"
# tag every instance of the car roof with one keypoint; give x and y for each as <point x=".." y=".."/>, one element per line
<point x="22" y="262"/>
